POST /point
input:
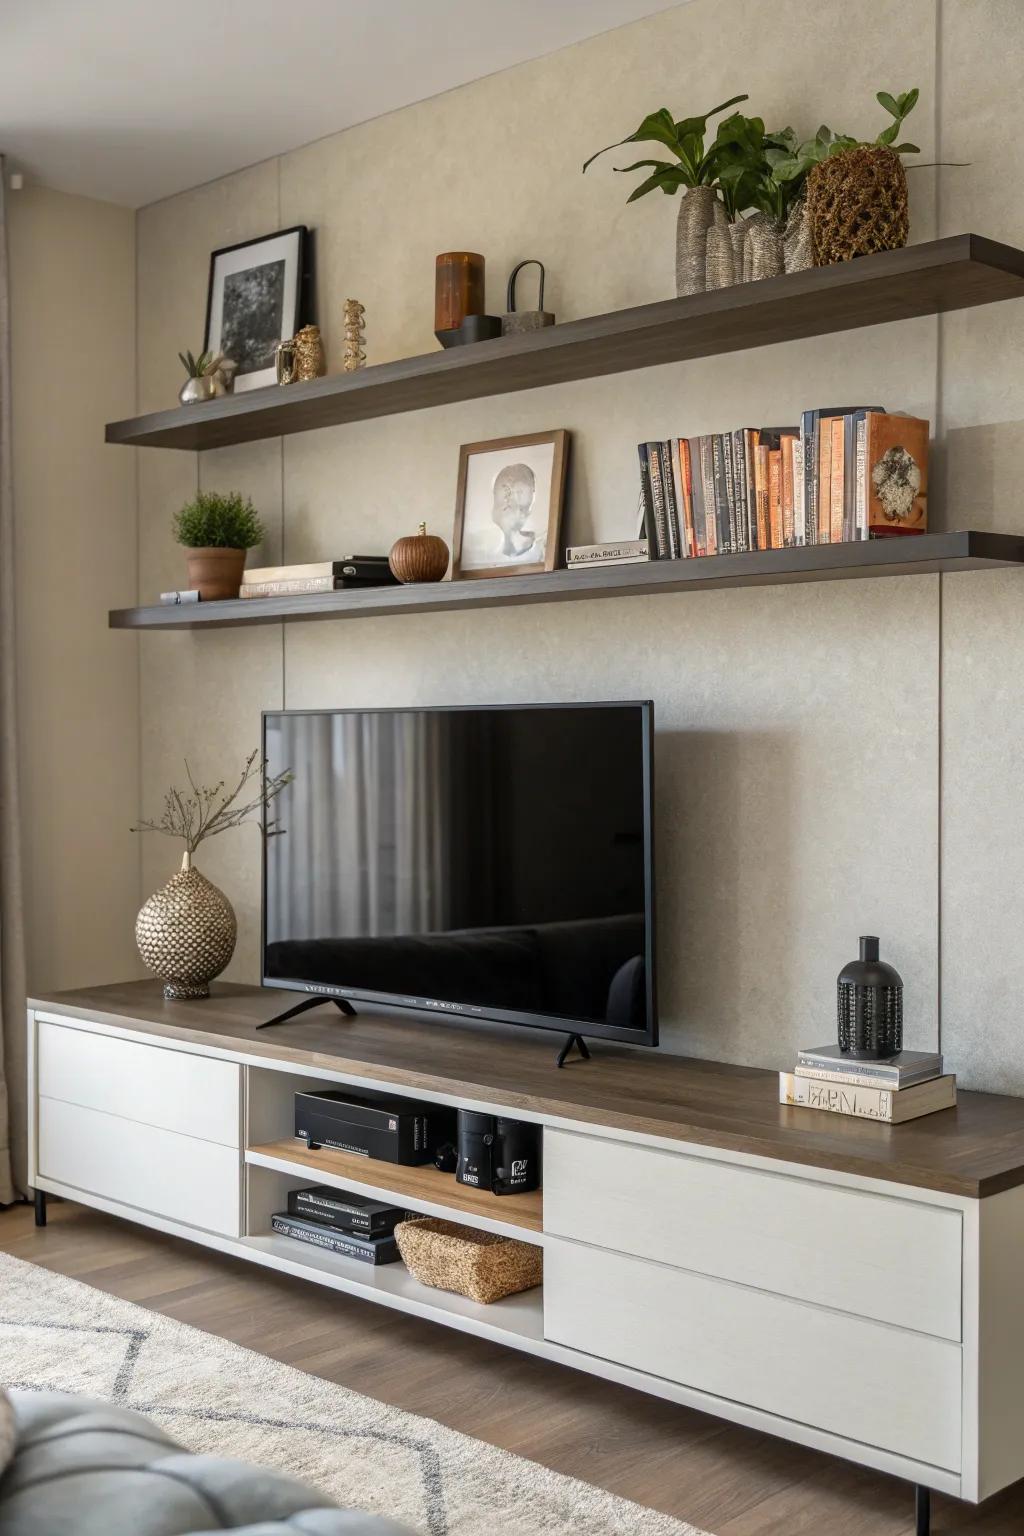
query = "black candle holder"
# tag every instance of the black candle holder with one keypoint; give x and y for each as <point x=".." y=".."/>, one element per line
<point x="870" y="1006"/>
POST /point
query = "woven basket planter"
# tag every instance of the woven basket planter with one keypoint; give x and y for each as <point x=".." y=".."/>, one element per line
<point x="481" y="1265"/>
<point x="857" y="203"/>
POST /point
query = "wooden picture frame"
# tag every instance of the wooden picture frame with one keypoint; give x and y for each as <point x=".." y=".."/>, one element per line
<point x="511" y="491"/>
<point x="252" y="323"/>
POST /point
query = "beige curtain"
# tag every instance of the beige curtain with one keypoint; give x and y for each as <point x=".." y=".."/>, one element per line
<point x="13" y="1138"/>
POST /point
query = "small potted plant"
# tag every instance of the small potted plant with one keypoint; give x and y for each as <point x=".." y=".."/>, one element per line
<point x="201" y="381"/>
<point x="857" y="200"/>
<point x="217" y="530"/>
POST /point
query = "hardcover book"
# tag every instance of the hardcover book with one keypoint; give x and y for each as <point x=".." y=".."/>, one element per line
<point x="896" y="474"/>
<point x="369" y="1250"/>
<point x="348" y="565"/>
<point x="868" y="1103"/>
<point x="607" y="554"/>
<point x="901" y="1071"/>
<point x="358" y="1214"/>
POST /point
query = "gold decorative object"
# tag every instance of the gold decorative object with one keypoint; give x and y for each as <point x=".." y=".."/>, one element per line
<point x="302" y="358"/>
<point x="857" y="202"/>
<point x="355" y="336"/>
<point x="186" y="933"/>
<point x="481" y="1265"/>
<point x="419" y="557"/>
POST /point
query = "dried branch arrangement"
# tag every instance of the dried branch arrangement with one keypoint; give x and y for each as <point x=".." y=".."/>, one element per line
<point x="203" y="811"/>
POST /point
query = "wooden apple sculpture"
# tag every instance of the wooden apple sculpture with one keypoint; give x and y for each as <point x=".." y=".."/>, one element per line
<point x="419" y="557"/>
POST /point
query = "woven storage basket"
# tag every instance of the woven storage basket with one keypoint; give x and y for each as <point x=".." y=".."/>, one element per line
<point x="480" y="1265"/>
<point x="857" y="202"/>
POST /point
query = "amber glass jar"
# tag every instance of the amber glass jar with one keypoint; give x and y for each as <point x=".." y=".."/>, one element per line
<point x="458" y="288"/>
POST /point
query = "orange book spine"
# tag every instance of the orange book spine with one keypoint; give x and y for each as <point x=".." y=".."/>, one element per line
<point x="824" y="482"/>
<point x="837" y="428"/>
<point x="787" y="491"/>
<point x="761" y="491"/>
<point x="686" y="486"/>
<point x="775" y="496"/>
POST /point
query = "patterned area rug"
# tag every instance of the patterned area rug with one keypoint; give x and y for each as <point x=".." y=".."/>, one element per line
<point x="216" y="1397"/>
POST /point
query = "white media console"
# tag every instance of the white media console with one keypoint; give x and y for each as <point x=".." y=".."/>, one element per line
<point x="854" y="1287"/>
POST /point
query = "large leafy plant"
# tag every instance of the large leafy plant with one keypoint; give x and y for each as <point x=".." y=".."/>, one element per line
<point x="216" y="521"/>
<point x="692" y="166"/>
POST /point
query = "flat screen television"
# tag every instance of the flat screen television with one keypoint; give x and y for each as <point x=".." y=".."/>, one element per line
<point x="488" y="863"/>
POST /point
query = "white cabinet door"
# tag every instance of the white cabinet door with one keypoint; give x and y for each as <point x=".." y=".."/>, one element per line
<point x="884" y="1257"/>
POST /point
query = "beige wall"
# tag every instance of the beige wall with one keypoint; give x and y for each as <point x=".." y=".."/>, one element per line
<point x="73" y="356"/>
<point x="819" y="753"/>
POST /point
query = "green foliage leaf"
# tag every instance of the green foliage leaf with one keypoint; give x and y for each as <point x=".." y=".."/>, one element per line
<point x="889" y="103"/>
<point x="668" y="180"/>
<point x="913" y="149"/>
<point x="218" y="521"/>
<point x="698" y="126"/>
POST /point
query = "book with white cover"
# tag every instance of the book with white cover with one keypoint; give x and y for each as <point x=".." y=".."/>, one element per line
<point x="901" y="1071"/>
<point x="626" y="551"/>
<point x="869" y="1103"/>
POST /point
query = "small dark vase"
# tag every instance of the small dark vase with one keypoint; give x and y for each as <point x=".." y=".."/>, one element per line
<point x="870" y="1002"/>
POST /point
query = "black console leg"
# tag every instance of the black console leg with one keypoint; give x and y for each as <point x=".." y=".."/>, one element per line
<point x="923" y="1510"/>
<point x="304" y="1007"/>
<point x="570" y="1041"/>
<point x="39" y="1196"/>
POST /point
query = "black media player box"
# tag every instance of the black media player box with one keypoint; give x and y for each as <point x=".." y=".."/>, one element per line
<point x="405" y="1133"/>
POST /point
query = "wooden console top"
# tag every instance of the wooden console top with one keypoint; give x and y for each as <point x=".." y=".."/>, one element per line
<point x="976" y="1149"/>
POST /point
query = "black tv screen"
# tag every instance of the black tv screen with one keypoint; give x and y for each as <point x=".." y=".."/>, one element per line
<point x="494" y="863"/>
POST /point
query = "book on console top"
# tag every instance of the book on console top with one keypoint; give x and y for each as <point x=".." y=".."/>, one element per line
<point x="830" y="1063"/>
<point x="883" y="1104"/>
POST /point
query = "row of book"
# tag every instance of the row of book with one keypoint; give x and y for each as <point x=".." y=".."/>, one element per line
<point x="845" y="473"/>
<point x="350" y="571"/>
<point x="899" y="1088"/>
<point x="341" y="1222"/>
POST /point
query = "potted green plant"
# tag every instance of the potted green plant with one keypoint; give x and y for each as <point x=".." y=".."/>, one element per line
<point x="857" y="199"/>
<point x="217" y="530"/>
<point x="201" y="377"/>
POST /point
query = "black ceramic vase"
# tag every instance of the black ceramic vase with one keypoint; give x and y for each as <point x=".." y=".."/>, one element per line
<point x="870" y="1005"/>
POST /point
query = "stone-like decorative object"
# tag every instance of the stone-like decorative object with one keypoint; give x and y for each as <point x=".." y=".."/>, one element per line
<point x="517" y="322"/>
<point x="419" y="557"/>
<point x="857" y="203"/>
<point x="186" y="933"/>
<point x="355" y="336"/>
<point x="224" y="377"/>
<point x="301" y="359"/>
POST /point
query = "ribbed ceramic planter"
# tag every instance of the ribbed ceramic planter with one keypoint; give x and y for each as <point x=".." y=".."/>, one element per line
<point x="762" y="248"/>
<point x="186" y="933"/>
<point x="698" y="209"/>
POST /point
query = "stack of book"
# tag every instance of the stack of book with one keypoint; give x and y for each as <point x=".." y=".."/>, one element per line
<point x="626" y="552"/>
<point x="845" y="473"/>
<point x="322" y="576"/>
<point x="898" y="1088"/>
<point x="349" y="1224"/>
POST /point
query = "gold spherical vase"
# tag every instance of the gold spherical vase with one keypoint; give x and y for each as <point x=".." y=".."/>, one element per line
<point x="186" y="933"/>
<point x="857" y="203"/>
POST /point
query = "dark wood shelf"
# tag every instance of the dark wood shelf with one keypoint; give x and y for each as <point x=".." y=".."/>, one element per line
<point x="955" y="273"/>
<point x="924" y="554"/>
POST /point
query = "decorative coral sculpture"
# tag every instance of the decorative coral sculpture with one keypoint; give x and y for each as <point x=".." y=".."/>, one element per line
<point x="355" y="336"/>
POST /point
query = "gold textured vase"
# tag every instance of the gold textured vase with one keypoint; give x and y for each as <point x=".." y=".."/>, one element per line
<point x="186" y="933"/>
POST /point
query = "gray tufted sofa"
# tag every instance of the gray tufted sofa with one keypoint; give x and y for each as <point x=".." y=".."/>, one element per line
<point x="87" y="1468"/>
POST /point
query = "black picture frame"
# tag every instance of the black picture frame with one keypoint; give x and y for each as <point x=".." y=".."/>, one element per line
<point x="295" y="314"/>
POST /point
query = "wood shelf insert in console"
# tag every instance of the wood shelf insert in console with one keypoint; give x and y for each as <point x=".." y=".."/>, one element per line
<point x="423" y="1185"/>
<point x="924" y="554"/>
<point x="955" y="273"/>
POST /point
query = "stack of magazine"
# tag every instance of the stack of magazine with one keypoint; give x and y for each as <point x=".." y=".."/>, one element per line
<point x="894" y="1089"/>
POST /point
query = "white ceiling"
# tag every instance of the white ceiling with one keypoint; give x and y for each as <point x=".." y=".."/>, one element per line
<point x="133" y="100"/>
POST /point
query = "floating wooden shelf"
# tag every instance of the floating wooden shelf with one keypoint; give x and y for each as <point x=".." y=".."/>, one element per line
<point x="923" y="554"/>
<point x="956" y="273"/>
<point x="423" y="1187"/>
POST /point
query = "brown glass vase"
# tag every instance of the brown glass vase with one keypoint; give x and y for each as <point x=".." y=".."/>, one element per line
<point x="458" y="288"/>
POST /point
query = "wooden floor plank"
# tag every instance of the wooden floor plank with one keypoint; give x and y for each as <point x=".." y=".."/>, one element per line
<point x="731" y="1481"/>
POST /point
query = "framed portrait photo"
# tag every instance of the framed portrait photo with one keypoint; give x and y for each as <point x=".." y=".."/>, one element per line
<point x="255" y="302"/>
<point x="508" y="510"/>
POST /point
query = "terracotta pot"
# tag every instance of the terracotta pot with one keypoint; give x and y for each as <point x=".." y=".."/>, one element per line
<point x="857" y="202"/>
<point x="215" y="573"/>
<point x="420" y="557"/>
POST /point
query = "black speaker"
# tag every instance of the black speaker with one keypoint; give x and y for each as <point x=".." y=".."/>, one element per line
<point x="498" y="1154"/>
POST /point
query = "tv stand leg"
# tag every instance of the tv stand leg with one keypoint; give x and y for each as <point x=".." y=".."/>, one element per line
<point x="304" y="1007"/>
<point x="570" y="1041"/>
<point x="922" y="1510"/>
<point x="39" y="1198"/>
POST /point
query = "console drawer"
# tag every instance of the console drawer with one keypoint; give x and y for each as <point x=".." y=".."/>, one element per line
<point x="892" y="1259"/>
<point x="155" y="1171"/>
<point x="862" y="1380"/>
<point x="176" y="1090"/>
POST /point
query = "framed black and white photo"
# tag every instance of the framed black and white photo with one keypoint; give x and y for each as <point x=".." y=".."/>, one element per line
<point x="255" y="302"/>
<point x="508" y="511"/>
